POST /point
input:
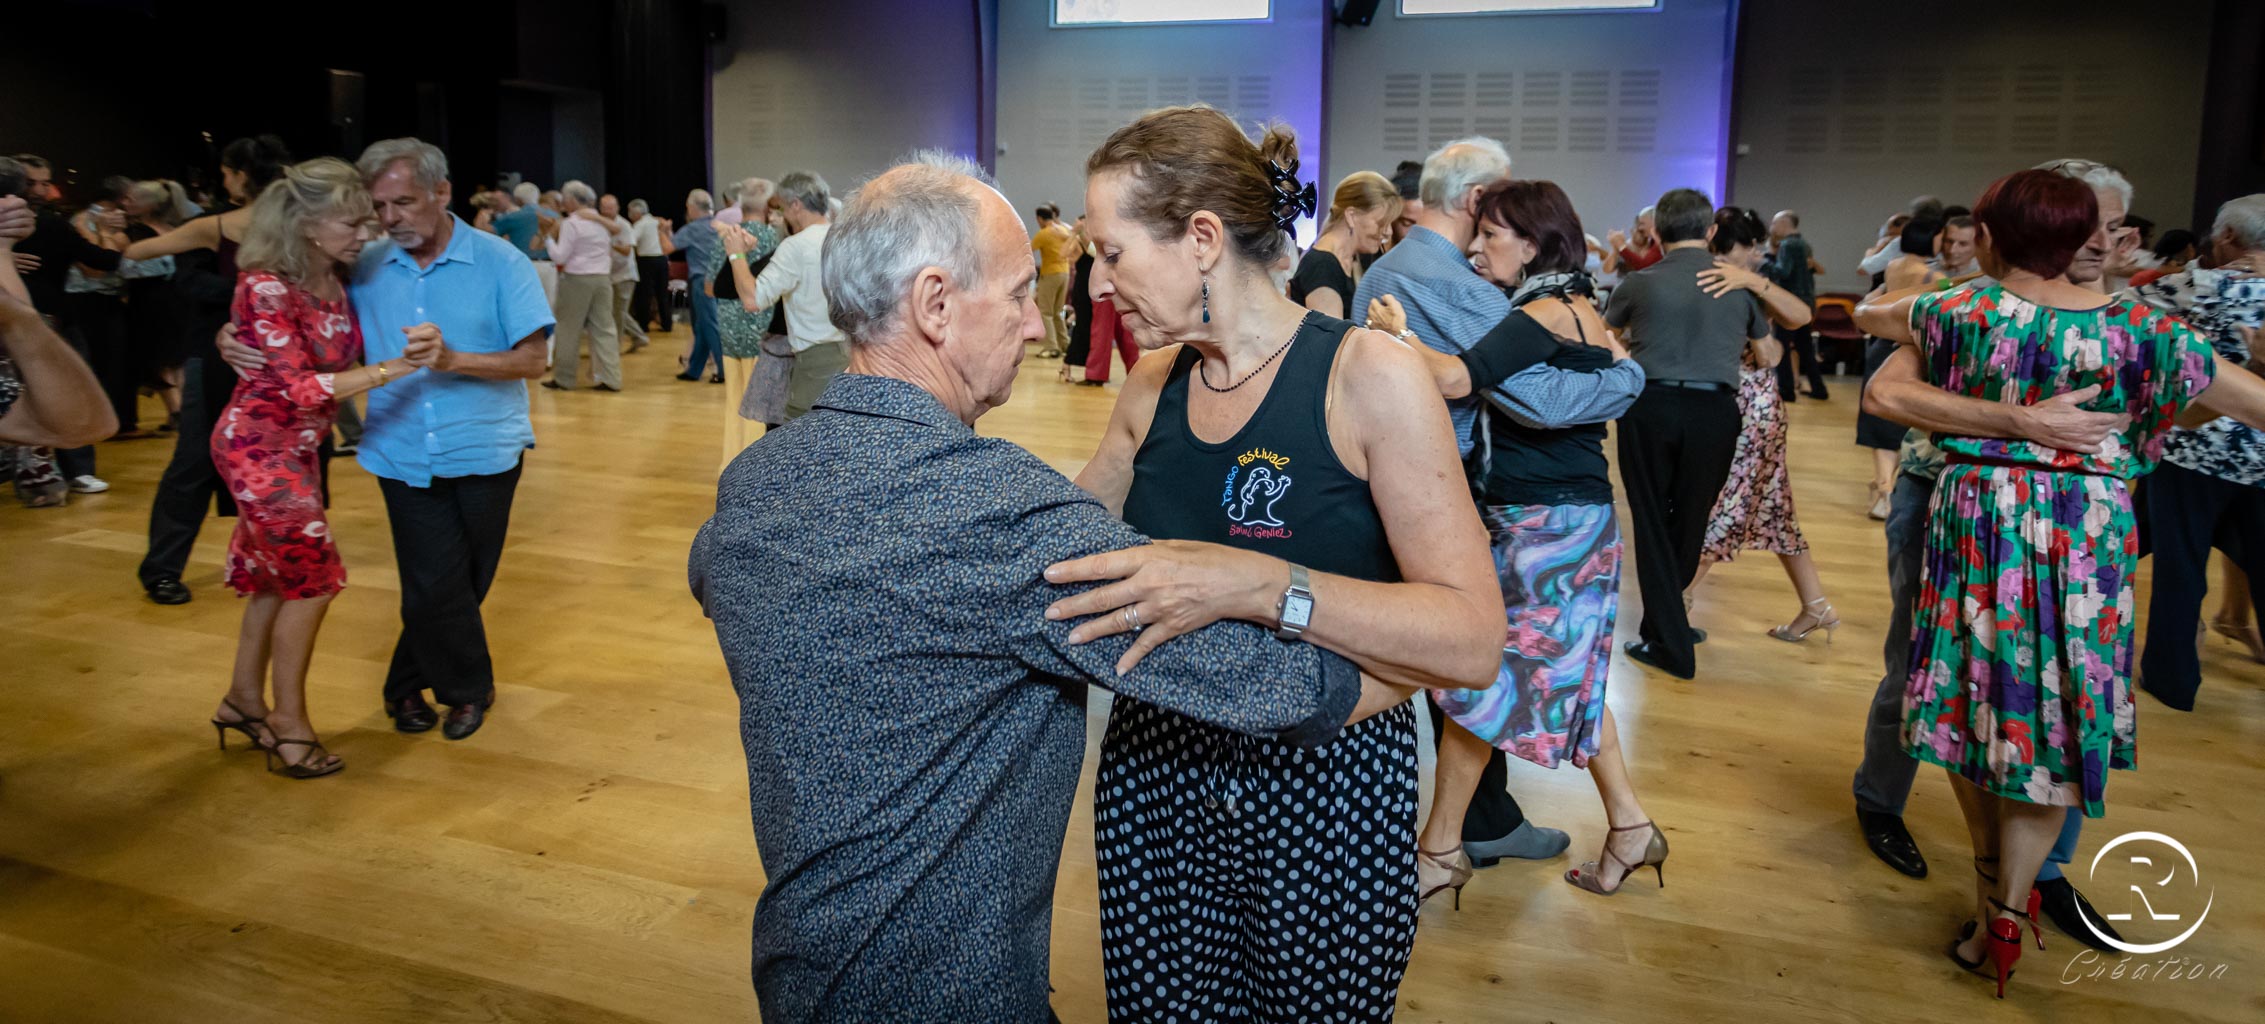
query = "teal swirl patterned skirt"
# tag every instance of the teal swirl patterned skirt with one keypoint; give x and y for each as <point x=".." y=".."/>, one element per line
<point x="1560" y="572"/>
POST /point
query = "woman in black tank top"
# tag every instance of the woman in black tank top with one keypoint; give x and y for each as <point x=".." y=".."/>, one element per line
<point x="1243" y="878"/>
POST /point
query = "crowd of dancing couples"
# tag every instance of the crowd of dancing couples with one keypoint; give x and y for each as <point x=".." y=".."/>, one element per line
<point x="1293" y="531"/>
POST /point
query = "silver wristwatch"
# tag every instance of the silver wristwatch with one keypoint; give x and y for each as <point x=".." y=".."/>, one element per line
<point x="1295" y="613"/>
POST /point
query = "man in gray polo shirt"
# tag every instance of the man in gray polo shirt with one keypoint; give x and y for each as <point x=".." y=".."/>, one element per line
<point x="1676" y="441"/>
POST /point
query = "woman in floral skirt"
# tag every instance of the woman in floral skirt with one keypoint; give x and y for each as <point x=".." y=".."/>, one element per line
<point x="1755" y="510"/>
<point x="1546" y="498"/>
<point x="2022" y="635"/>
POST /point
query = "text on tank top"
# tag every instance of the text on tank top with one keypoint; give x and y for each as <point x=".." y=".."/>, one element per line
<point x="1276" y="486"/>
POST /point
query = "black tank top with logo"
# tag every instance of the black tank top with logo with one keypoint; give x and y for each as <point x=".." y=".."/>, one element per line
<point x="1276" y="485"/>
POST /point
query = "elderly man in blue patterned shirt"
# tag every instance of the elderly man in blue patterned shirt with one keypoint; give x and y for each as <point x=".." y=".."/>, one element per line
<point x="913" y="722"/>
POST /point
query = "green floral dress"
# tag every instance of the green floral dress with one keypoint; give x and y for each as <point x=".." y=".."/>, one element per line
<point x="2021" y="640"/>
<point x="741" y="330"/>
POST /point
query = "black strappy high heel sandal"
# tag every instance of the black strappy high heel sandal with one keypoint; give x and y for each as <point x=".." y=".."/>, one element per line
<point x="244" y="723"/>
<point x="317" y="763"/>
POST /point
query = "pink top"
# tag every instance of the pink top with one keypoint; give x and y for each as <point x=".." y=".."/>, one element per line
<point x="583" y="246"/>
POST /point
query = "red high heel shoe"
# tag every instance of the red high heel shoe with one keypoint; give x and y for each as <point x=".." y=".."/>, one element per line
<point x="2004" y="950"/>
<point x="2036" y="902"/>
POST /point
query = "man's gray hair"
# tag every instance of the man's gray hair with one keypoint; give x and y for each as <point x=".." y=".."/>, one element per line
<point x="2093" y="173"/>
<point x="527" y="193"/>
<point x="638" y="208"/>
<point x="582" y="194"/>
<point x="805" y="189"/>
<point x="755" y="195"/>
<point x="1453" y="168"/>
<point x="428" y="165"/>
<point x="700" y="200"/>
<point x="2244" y="218"/>
<point x="927" y="214"/>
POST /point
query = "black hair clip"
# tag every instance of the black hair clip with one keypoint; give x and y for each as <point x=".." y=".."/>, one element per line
<point x="1291" y="201"/>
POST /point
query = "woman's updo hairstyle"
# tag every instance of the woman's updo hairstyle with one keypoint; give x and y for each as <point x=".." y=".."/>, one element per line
<point x="260" y="158"/>
<point x="1735" y="226"/>
<point x="1179" y="160"/>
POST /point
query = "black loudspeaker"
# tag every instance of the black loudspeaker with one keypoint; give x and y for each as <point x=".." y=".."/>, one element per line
<point x="346" y="107"/>
<point x="1357" y="13"/>
<point x="713" y="22"/>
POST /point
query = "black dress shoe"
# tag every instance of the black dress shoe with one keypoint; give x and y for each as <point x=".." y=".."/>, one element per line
<point x="1698" y="636"/>
<point x="168" y="590"/>
<point x="604" y="387"/>
<point x="1819" y="393"/>
<point x="688" y="376"/>
<point x="466" y="719"/>
<point x="411" y="714"/>
<point x="1891" y="842"/>
<point x="716" y="379"/>
<point x="554" y="385"/>
<point x="1639" y="651"/>
<point x="2070" y="912"/>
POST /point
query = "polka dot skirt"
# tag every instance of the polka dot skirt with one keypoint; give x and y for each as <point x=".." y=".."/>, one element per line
<point x="1248" y="880"/>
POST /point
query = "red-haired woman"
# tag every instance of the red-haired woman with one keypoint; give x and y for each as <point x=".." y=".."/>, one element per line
<point x="2021" y="644"/>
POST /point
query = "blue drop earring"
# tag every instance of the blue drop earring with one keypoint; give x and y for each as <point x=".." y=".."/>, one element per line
<point x="1207" y="300"/>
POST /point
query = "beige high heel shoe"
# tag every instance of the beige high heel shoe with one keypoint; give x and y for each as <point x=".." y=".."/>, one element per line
<point x="1446" y="870"/>
<point x="1590" y="876"/>
<point x="1817" y="614"/>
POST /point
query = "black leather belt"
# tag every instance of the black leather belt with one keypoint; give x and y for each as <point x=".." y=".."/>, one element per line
<point x="1690" y="385"/>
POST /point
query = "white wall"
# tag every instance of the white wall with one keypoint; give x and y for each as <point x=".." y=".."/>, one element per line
<point x="844" y="87"/>
<point x="1615" y="107"/>
<point x="1848" y="113"/>
<point x="1062" y="91"/>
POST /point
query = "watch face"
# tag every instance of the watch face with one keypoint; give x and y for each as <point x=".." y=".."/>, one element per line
<point x="1297" y="611"/>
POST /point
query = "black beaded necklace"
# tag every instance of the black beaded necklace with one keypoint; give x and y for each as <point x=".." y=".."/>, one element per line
<point x="1206" y="379"/>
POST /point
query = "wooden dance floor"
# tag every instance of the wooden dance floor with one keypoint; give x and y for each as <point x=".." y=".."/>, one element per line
<point x="587" y="856"/>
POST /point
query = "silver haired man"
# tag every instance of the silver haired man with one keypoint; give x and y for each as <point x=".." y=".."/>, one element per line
<point x="912" y="858"/>
<point x="583" y="251"/>
<point x="821" y="350"/>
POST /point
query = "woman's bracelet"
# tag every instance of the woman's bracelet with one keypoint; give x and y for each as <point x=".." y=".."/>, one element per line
<point x="382" y="375"/>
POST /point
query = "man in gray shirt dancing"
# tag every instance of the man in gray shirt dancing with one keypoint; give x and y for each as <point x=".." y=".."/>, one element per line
<point x="913" y="723"/>
<point x="1677" y="440"/>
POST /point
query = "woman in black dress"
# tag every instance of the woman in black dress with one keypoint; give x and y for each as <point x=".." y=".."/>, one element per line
<point x="1081" y="308"/>
<point x="1361" y="213"/>
<point x="1243" y="879"/>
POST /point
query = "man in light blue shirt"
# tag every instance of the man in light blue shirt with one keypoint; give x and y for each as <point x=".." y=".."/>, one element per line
<point x="518" y="224"/>
<point x="1450" y="307"/>
<point x="446" y="445"/>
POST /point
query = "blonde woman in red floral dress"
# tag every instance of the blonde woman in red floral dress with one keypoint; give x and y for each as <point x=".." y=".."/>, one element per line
<point x="291" y="302"/>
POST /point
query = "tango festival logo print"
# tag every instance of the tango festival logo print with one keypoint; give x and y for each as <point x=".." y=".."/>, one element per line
<point x="2153" y="896"/>
<point x="1254" y="493"/>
